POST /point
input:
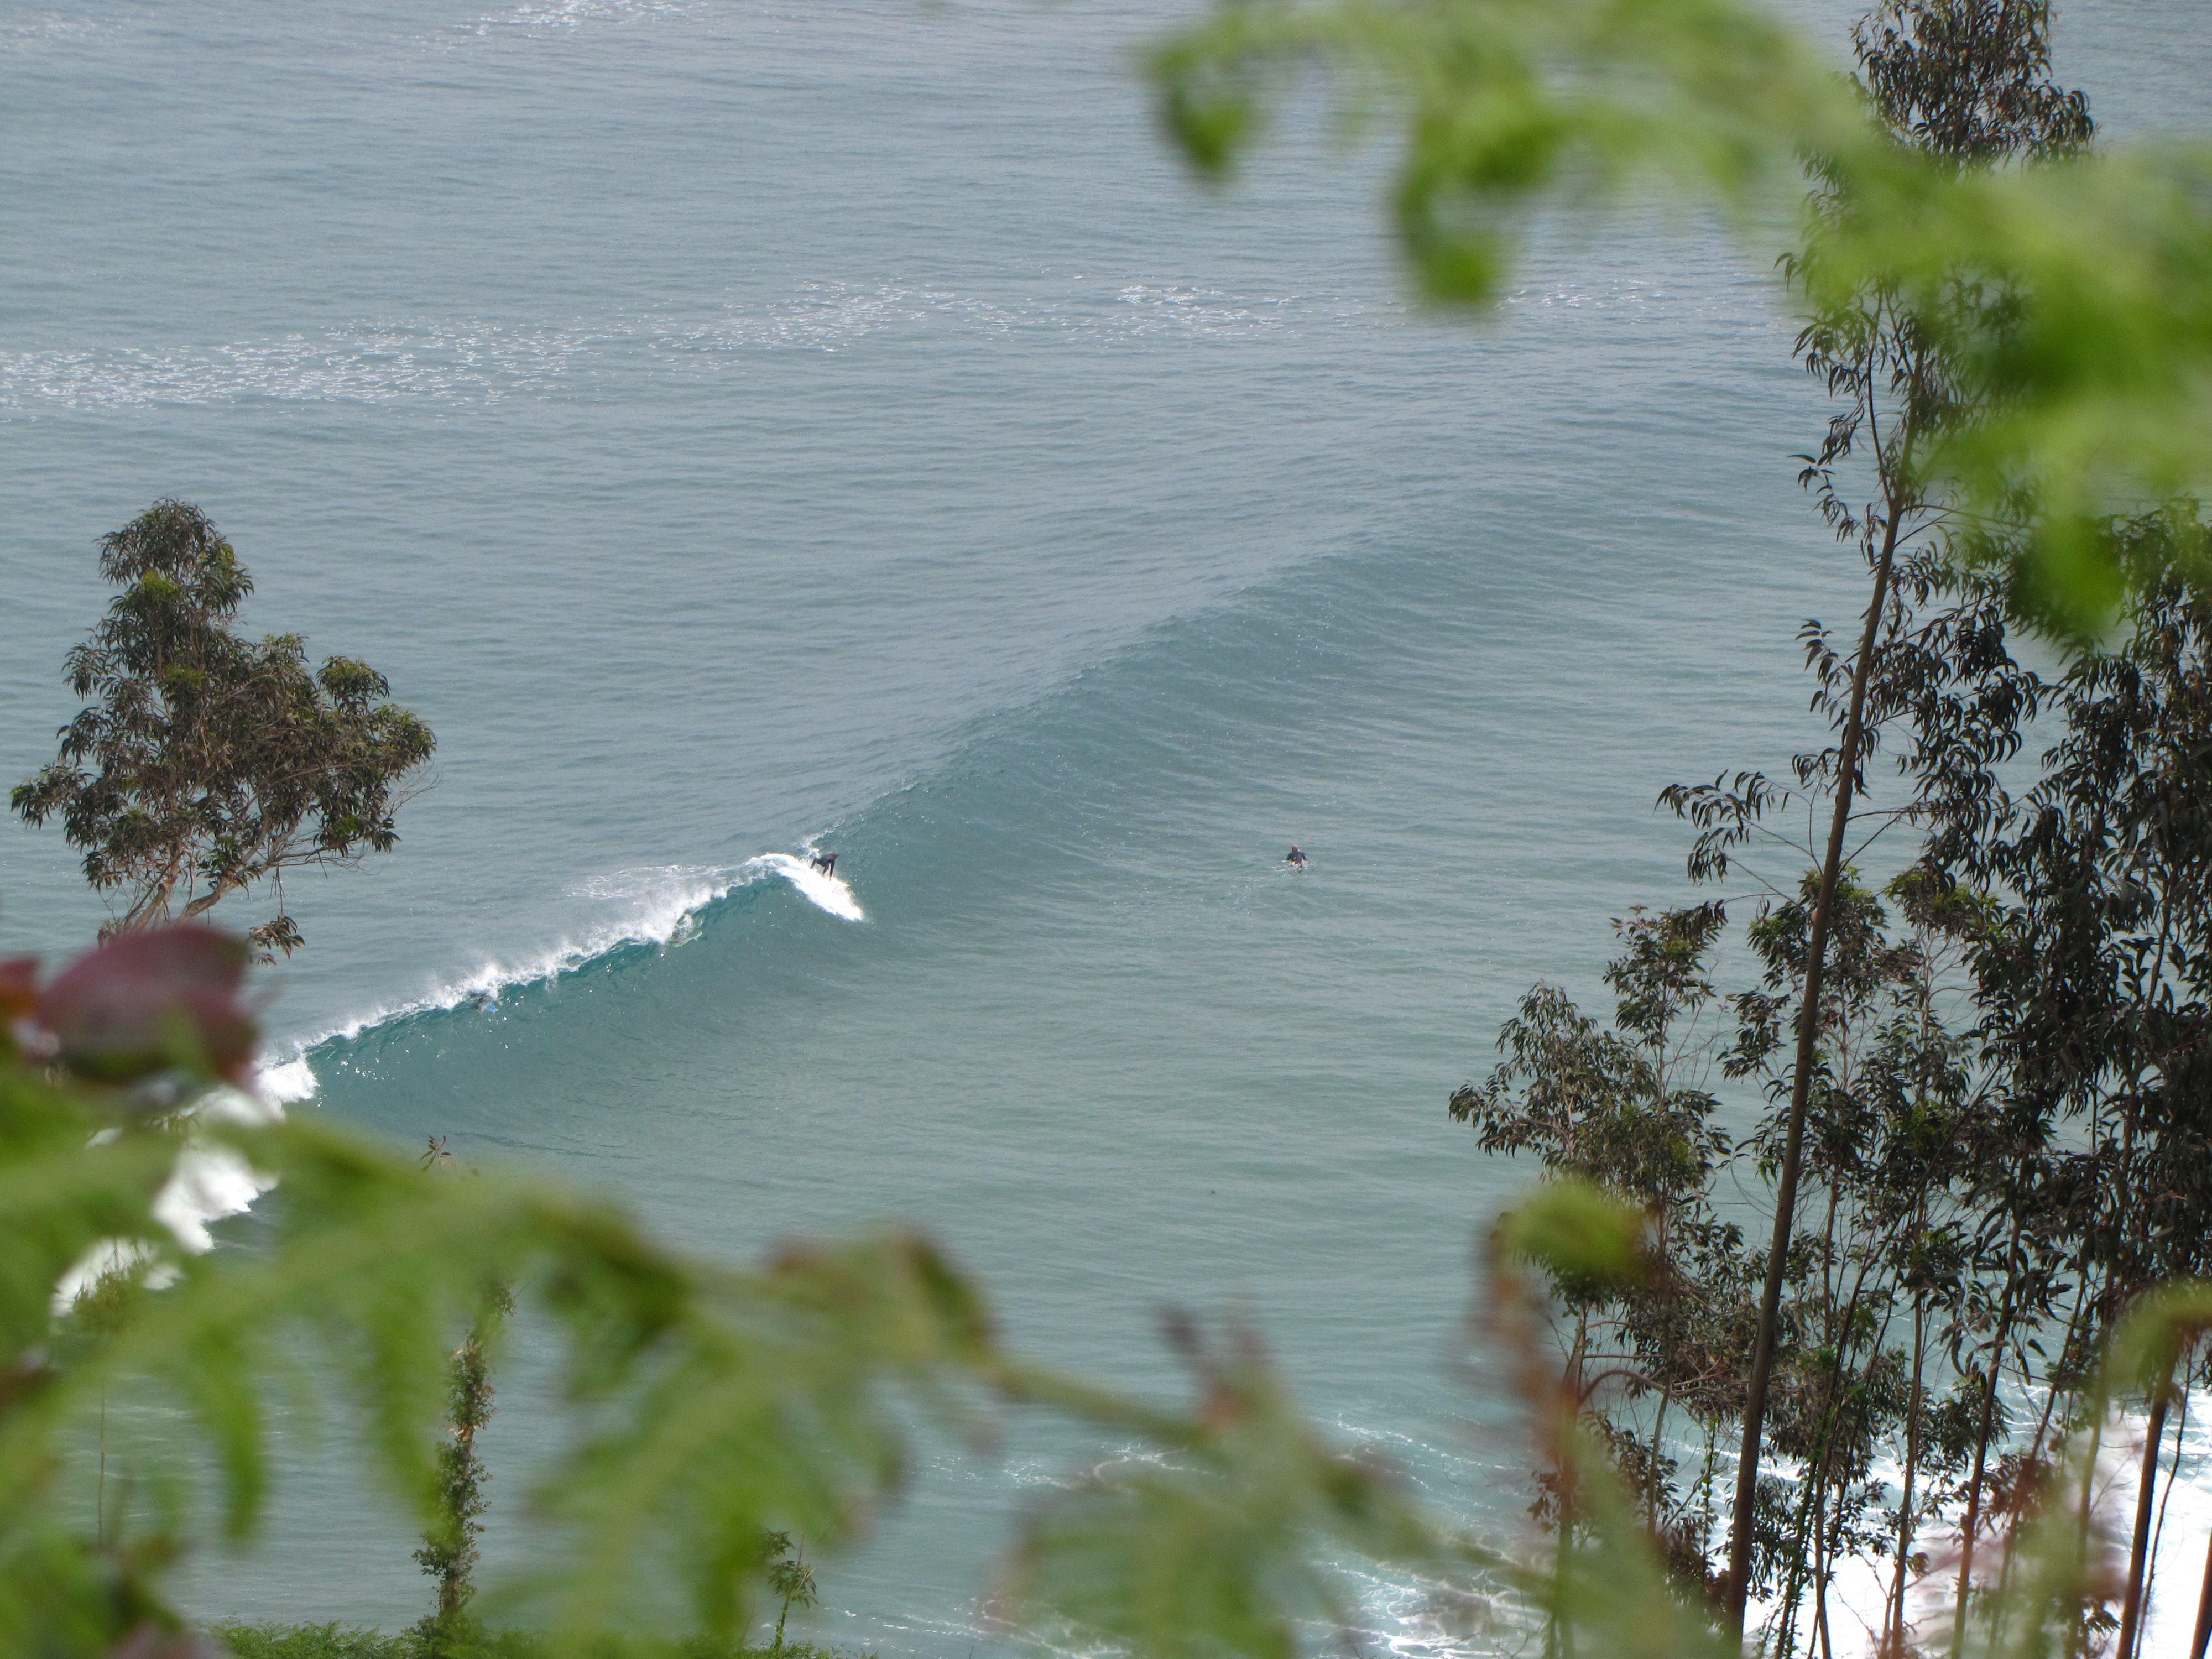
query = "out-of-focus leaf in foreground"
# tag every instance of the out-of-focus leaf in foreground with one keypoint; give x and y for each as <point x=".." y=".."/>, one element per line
<point x="1500" y="104"/>
<point x="774" y="1402"/>
<point x="167" y="997"/>
<point x="1238" y="1529"/>
<point x="1208" y="1536"/>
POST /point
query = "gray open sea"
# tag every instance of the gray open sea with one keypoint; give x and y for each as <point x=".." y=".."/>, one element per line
<point x="740" y="426"/>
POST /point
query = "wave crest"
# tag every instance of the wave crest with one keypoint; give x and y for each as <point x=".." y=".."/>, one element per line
<point x="656" y="907"/>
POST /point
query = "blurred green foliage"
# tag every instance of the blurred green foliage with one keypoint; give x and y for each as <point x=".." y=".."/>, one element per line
<point x="709" y="1402"/>
<point x="1578" y="1235"/>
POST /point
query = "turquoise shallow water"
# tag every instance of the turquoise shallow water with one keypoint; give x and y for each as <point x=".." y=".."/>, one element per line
<point x="735" y="424"/>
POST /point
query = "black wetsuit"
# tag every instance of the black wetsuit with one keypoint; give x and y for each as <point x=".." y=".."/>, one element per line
<point x="826" y="863"/>
<point x="1296" y="857"/>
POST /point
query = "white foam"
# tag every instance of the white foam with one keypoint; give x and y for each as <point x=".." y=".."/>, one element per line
<point x="1196" y="311"/>
<point x="44" y="28"/>
<point x="1858" y="1599"/>
<point x="367" y="364"/>
<point x="575" y="14"/>
<point x="281" y="1082"/>
<point x="825" y="892"/>
<point x="206" y="1184"/>
<point x="656" y="905"/>
<point x="652" y="906"/>
<point x="656" y="902"/>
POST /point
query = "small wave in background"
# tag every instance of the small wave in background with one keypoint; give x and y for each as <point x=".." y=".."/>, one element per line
<point x="477" y="362"/>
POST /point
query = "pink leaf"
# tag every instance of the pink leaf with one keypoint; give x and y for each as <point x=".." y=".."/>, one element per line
<point x="150" y="1001"/>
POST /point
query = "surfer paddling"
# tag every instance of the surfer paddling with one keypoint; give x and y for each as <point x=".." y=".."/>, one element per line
<point x="825" y="862"/>
<point x="1296" y="859"/>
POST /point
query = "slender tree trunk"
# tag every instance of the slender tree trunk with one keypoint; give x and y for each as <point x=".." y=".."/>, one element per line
<point x="2087" y="1506"/>
<point x="1892" y="1642"/>
<point x="1801" y="1085"/>
<point x="2139" y="1546"/>
<point x="2203" y="1638"/>
<point x="2042" y="1438"/>
<point x="1982" y="1433"/>
<point x="1826" y="1538"/>
<point x="2166" y="1496"/>
<point x="1801" y="1536"/>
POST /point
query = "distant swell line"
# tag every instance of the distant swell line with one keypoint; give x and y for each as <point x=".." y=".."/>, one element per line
<point x="479" y="361"/>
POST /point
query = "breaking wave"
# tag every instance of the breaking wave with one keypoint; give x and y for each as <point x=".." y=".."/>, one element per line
<point x="660" y="908"/>
<point x="657" y="907"/>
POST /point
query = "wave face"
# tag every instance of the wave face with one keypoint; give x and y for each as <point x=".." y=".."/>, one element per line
<point x="737" y="447"/>
<point x="649" y="911"/>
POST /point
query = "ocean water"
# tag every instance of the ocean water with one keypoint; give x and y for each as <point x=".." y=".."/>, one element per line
<point x="739" y="427"/>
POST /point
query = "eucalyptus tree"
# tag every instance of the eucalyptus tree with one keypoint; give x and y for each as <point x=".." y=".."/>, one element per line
<point x="1880" y="1281"/>
<point x="1628" y="1110"/>
<point x="1877" y="1291"/>
<point x="2016" y="1187"/>
<point x="2093" y="985"/>
<point x="208" y="763"/>
<point x="1967" y="83"/>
